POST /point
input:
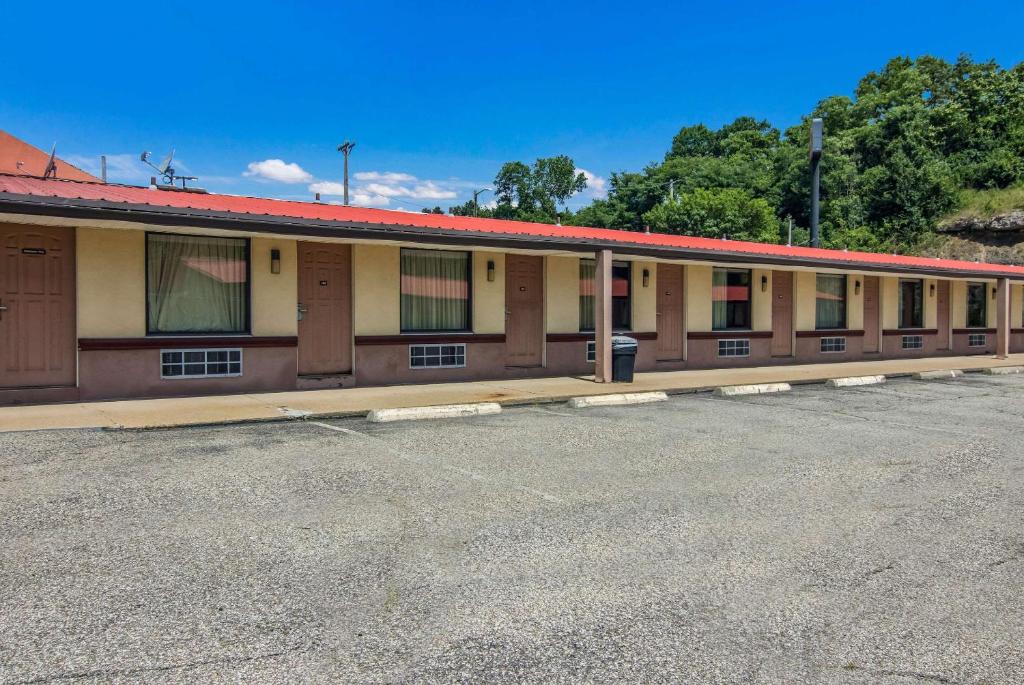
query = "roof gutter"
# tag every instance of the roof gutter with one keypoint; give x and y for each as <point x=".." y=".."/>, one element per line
<point x="75" y="208"/>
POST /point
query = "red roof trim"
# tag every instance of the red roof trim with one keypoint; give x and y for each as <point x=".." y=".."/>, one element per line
<point x="134" y="196"/>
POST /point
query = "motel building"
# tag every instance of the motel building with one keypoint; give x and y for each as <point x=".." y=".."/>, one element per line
<point x="111" y="291"/>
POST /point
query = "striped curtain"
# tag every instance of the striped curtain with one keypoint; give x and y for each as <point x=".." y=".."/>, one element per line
<point x="830" y="308"/>
<point x="434" y="290"/>
<point x="588" y="273"/>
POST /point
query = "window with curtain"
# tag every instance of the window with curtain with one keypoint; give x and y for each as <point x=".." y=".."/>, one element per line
<point x="197" y="284"/>
<point x="730" y="299"/>
<point x="621" y="307"/>
<point x="911" y="303"/>
<point x="434" y="290"/>
<point x="977" y="305"/>
<point x="830" y="308"/>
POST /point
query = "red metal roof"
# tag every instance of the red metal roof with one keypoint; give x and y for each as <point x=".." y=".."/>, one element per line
<point x="197" y="203"/>
<point x="20" y="158"/>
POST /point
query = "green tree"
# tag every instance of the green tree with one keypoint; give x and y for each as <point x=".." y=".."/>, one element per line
<point x="535" y="193"/>
<point x="716" y="213"/>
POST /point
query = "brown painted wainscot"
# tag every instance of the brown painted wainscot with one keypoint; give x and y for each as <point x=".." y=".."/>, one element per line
<point x="111" y="368"/>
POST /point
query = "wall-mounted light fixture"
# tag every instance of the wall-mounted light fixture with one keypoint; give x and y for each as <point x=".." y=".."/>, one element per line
<point x="764" y="284"/>
<point x="994" y="291"/>
<point x="275" y="261"/>
<point x="856" y="287"/>
<point x="931" y="290"/>
<point x="490" y="270"/>
<point x="647" y="277"/>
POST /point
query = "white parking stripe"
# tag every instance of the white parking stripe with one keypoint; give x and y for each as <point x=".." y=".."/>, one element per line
<point x="448" y="467"/>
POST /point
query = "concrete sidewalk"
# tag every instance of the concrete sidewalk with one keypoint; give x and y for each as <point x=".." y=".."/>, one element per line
<point x="161" y="413"/>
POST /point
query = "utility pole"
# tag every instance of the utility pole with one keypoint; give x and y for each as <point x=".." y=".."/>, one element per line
<point x="817" y="128"/>
<point x="789" y="241"/>
<point x="476" y="204"/>
<point x="671" y="190"/>
<point x="346" y="149"/>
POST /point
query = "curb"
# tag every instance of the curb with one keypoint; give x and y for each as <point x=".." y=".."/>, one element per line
<point x="760" y="389"/>
<point x="938" y="375"/>
<point x="854" y="381"/>
<point x="443" y="411"/>
<point x="1004" y="370"/>
<point x="617" y="399"/>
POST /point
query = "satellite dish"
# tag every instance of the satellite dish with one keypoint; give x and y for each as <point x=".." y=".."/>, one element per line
<point x="166" y="170"/>
<point x="166" y="164"/>
<point x="51" y="164"/>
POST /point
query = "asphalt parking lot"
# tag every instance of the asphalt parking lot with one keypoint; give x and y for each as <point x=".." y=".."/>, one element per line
<point x="870" y="535"/>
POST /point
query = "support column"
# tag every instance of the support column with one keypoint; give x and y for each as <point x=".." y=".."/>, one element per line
<point x="1003" y="318"/>
<point x="603" y="317"/>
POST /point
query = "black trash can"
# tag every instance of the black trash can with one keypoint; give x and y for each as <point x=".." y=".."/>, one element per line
<point x="623" y="358"/>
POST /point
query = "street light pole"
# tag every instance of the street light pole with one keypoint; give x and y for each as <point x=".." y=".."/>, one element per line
<point x="476" y="204"/>
<point x="346" y="149"/>
<point x="817" y="128"/>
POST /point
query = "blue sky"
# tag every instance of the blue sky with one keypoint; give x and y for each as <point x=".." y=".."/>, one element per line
<point x="439" y="95"/>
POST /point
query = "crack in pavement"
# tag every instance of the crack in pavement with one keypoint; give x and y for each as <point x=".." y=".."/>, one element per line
<point x="101" y="673"/>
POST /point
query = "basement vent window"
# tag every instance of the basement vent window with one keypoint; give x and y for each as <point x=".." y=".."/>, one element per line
<point x="437" y="356"/>
<point x="833" y="345"/>
<point x="591" y="352"/>
<point x="977" y="340"/>
<point x="200" y="363"/>
<point x="734" y="348"/>
<point x="913" y="342"/>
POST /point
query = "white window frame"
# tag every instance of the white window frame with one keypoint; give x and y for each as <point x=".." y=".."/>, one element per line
<point x="440" y="355"/>
<point x="977" y="340"/>
<point x="736" y="344"/>
<point x="591" y="352"/>
<point x="918" y="342"/>
<point x="206" y="362"/>
<point x="837" y="341"/>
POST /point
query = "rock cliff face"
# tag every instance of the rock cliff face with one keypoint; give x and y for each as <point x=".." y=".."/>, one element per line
<point x="997" y="239"/>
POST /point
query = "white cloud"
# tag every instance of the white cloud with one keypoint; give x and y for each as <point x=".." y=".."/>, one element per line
<point x="327" y="188"/>
<point x="378" y="189"/>
<point x="365" y="199"/>
<point x="278" y="170"/>
<point x="121" y="168"/>
<point x="597" y="186"/>
<point x="385" y="176"/>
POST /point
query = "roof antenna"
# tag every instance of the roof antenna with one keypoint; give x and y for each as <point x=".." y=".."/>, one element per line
<point x="51" y="164"/>
<point x="167" y="171"/>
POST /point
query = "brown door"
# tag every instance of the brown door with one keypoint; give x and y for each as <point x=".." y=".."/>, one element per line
<point x="871" y="313"/>
<point x="524" y="310"/>
<point x="325" y="308"/>
<point x="942" y="303"/>
<point x="782" y="313"/>
<point x="37" y="307"/>
<point x="670" y="311"/>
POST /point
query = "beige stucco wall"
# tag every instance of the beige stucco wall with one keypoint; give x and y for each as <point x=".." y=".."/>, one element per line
<point x="958" y="305"/>
<point x="698" y="298"/>
<point x="992" y="310"/>
<point x="1017" y="306"/>
<point x="562" y="291"/>
<point x="375" y="290"/>
<point x="855" y="302"/>
<point x="645" y="300"/>
<point x="807" y="296"/>
<point x="761" y="300"/>
<point x="890" y="303"/>
<point x="111" y="283"/>
<point x="274" y="296"/>
<point x="488" y="296"/>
